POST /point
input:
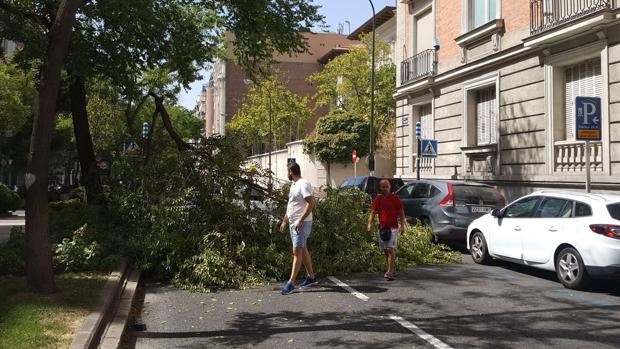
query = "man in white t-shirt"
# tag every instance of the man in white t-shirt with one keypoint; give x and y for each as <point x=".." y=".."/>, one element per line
<point x="299" y="215"/>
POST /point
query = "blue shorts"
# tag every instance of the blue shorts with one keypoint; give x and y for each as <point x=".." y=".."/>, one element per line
<point x="299" y="237"/>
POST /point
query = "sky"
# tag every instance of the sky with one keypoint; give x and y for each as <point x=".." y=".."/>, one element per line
<point x="335" y="11"/>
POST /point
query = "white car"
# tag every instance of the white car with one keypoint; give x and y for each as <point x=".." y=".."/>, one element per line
<point x="576" y="235"/>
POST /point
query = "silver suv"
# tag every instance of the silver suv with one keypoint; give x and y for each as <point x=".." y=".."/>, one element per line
<point x="448" y="206"/>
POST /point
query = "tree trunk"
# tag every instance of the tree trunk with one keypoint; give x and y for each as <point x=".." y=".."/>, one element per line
<point x="149" y="139"/>
<point x="329" y="174"/>
<point x="84" y="142"/>
<point x="159" y="107"/>
<point x="39" y="270"/>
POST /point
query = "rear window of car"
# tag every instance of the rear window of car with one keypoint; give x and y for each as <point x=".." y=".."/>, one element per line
<point x="582" y="210"/>
<point x="614" y="210"/>
<point x="473" y="194"/>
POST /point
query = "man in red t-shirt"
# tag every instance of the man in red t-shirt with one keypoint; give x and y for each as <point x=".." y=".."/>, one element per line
<point x="390" y="209"/>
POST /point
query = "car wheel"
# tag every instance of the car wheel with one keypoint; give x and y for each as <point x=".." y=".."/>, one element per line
<point x="570" y="269"/>
<point x="479" y="250"/>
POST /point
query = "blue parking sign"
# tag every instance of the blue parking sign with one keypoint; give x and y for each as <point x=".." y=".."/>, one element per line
<point x="429" y="148"/>
<point x="588" y="121"/>
<point x="290" y="161"/>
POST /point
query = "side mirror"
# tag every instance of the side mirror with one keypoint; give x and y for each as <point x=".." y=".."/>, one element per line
<point x="496" y="213"/>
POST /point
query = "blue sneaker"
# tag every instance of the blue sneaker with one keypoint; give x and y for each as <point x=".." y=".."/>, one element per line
<point x="288" y="288"/>
<point x="308" y="282"/>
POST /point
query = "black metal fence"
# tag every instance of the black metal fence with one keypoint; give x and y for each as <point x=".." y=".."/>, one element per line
<point x="419" y="66"/>
<point x="548" y="14"/>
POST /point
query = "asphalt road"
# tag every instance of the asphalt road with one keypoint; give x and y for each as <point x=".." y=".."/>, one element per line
<point x="438" y="306"/>
<point x="7" y="223"/>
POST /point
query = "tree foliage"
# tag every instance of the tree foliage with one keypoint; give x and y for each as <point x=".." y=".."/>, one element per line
<point x="347" y="79"/>
<point x="17" y="97"/>
<point x="336" y="135"/>
<point x="289" y="115"/>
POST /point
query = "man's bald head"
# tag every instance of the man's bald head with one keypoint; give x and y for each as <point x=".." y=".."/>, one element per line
<point x="384" y="186"/>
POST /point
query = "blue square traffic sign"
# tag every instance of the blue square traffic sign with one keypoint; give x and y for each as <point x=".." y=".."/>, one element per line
<point x="429" y="148"/>
<point x="588" y="121"/>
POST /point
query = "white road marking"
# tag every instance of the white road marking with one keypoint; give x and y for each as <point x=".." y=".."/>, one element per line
<point x="349" y="288"/>
<point x="406" y="324"/>
<point x="420" y="333"/>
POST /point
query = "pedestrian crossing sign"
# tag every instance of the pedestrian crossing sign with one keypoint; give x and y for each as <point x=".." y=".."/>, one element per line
<point x="429" y="148"/>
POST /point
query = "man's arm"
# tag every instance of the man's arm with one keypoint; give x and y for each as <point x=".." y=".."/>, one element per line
<point x="371" y="219"/>
<point x="310" y="203"/>
<point x="284" y="223"/>
<point x="403" y="221"/>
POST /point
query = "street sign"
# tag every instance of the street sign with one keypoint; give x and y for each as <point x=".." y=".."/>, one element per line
<point x="290" y="161"/>
<point x="588" y="119"/>
<point x="131" y="147"/>
<point x="145" y="130"/>
<point x="405" y="120"/>
<point x="429" y="148"/>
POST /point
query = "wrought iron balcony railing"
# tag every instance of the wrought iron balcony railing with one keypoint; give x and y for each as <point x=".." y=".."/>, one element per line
<point x="422" y="65"/>
<point x="548" y="14"/>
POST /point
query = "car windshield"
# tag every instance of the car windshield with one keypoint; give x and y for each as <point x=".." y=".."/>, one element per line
<point x="614" y="210"/>
<point x="476" y="195"/>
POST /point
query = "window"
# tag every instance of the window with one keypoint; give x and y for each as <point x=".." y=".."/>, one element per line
<point x="405" y="192"/>
<point x="486" y="123"/>
<point x="522" y="208"/>
<point x="554" y="208"/>
<point x="434" y="191"/>
<point x="582" y="79"/>
<point x="614" y="211"/>
<point x="423" y="31"/>
<point x="582" y="210"/>
<point x="426" y="121"/>
<point x="481" y="12"/>
<point x="420" y="191"/>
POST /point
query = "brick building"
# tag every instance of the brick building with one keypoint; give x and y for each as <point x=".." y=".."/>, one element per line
<point x="229" y="83"/>
<point x="494" y="82"/>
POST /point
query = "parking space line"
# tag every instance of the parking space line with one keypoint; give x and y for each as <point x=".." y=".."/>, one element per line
<point x="420" y="333"/>
<point x="566" y="294"/>
<point x="349" y="288"/>
<point x="404" y="323"/>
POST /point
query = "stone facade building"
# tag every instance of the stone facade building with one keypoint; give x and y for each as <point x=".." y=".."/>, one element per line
<point x="494" y="83"/>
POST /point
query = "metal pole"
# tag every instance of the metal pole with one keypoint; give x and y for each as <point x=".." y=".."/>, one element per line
<point x="270" y="138"/>
<point x="371" y="156"/>
<point x="355" y="169"/>
<point x="587" y="166"/>
<point x="417" y="167"/>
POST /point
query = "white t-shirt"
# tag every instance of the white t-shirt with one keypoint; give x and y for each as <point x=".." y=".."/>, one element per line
<point x="300" y="190"/>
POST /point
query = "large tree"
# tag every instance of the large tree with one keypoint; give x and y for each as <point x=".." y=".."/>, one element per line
<point x="345" y="83"/>
<point x="336" y="135"/>
<point x="289" y="114"/>
<point x="120" y="40"/>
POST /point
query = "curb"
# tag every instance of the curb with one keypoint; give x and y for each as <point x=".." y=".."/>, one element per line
<point x="113" y="334"/>
<point x="87" y="336"/>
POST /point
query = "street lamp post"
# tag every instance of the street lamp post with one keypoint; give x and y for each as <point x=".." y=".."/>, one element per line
<point x="270" y="137"/>
<point x="371" y="153"/>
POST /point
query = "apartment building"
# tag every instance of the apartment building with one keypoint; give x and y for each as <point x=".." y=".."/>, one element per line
<point x="494" y="82"/>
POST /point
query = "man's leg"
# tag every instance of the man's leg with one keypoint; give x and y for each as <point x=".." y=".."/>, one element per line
<point x="297" y="260"/>
<point x="387" y="258"/>
<point x="391" y="258"/>
<point x="307" y="260"/>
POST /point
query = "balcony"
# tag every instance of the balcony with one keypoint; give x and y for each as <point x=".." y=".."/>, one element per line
<point x="422" y="65"/>
<point x="571" y="157"/>
<point x="549" y="14"/>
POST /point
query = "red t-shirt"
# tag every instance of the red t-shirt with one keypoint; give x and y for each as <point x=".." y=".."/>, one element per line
<point x="389" y="207"/>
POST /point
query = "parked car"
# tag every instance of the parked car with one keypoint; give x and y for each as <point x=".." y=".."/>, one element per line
<point x="574" y="234"/>
<point x="370" y="184"/>
<point x="448" y="206"/>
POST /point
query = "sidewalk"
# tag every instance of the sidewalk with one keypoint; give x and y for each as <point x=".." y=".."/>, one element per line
<point x="6" y="223"/>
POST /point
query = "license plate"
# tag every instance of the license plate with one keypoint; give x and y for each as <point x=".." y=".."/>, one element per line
<point x="480" y="209"/>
